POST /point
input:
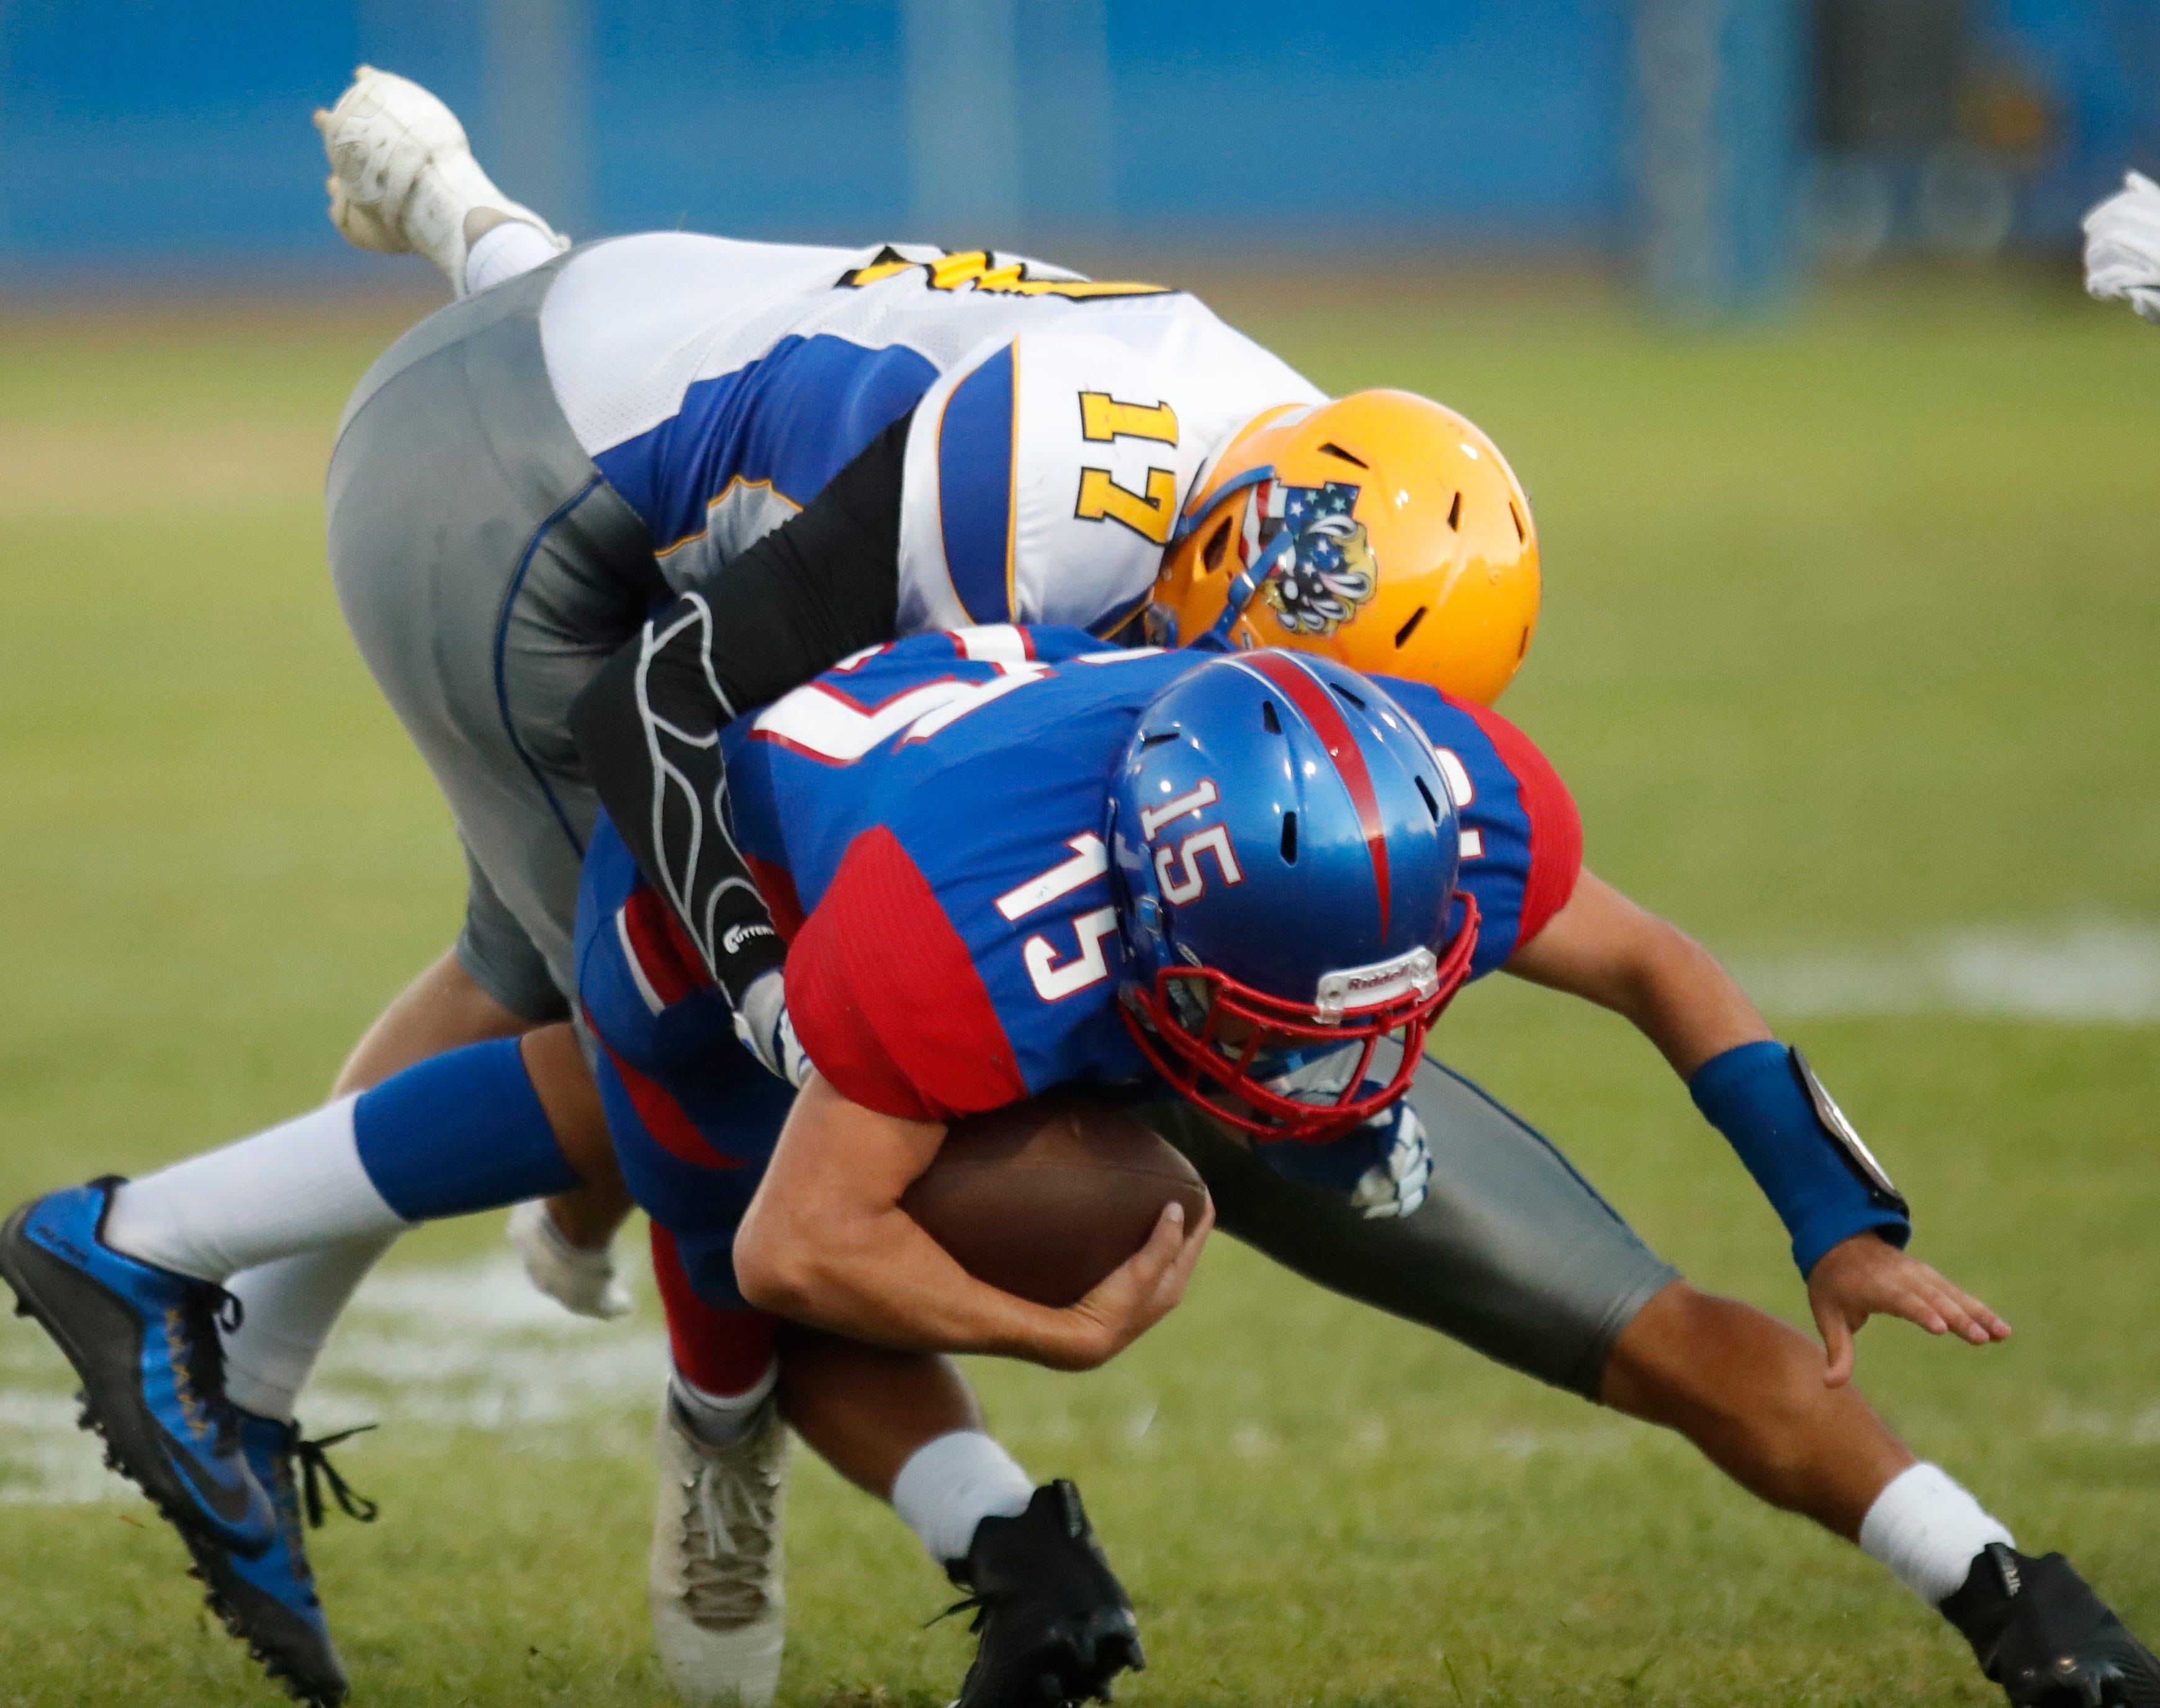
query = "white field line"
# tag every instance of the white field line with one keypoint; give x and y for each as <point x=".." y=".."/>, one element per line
<point x="2098" y="971"/>
<point x="471" y="1346"/>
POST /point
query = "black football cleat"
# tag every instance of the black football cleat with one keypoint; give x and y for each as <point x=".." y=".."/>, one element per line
<point x="2038" y="1631"/>
<point x="1054" y="1624"/>
<point x="268" y="1602"/>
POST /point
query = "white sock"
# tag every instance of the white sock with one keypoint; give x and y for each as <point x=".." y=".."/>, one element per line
<point x="505" y="250"/>
<point x="1926" y="1528"/>
<point x="951" y="1484"/>
<point x="288" y="1310"/>
<point x="721" y="1419"/>
<point x="296" y="1188"/>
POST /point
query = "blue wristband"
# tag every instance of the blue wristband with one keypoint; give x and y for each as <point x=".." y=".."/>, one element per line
<point x="1809" y="1163"/>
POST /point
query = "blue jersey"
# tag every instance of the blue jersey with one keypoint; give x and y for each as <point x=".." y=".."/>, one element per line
<point x="926" y="822"/>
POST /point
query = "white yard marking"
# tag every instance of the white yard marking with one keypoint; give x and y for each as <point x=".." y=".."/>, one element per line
<point x="2097" y="971"/>
<point x="468" y="1346"/>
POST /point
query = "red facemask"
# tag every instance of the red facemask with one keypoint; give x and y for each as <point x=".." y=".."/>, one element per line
<point x="1222" y="1078"/>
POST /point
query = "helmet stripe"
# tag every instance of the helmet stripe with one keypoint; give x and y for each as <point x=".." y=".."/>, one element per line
<point x="1310" y="696"/>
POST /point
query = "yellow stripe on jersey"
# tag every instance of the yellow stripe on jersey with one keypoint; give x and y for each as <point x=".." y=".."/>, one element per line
<point x="979" y="270"/>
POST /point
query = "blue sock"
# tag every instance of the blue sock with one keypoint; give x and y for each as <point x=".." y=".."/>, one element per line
<point x="460" y="1132"/>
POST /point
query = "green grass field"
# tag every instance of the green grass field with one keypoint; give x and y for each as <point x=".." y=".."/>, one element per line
<point x="1849" y="647"/>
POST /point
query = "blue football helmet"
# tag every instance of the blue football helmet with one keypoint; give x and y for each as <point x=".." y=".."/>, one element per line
<point x="1284" y="854"/>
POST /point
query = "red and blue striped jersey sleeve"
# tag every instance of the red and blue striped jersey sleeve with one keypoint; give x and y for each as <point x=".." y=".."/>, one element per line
<point x="1522" y="837"/>
<point x="886" y="999"/>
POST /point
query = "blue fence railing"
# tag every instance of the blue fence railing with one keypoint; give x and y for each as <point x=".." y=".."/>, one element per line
<point x="145" y="130"/>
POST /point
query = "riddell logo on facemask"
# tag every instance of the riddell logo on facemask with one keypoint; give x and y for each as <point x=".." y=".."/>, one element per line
<point x="736" y="936"/>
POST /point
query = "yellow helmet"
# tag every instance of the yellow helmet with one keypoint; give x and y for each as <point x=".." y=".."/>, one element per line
<point x="1382" y="530"/>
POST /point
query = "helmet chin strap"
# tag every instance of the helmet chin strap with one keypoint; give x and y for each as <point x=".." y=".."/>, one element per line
<point x="1245" y="586"/>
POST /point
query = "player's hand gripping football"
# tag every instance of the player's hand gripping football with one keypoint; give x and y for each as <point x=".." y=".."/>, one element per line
<point x="1138" y="1294"/>
<point x="826" y="1241"/>
<point x="1863" y="1277"/>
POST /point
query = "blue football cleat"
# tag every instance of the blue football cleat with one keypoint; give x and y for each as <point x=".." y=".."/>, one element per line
<point x="268" y="1600"/>
<point x="145" y="1342"/>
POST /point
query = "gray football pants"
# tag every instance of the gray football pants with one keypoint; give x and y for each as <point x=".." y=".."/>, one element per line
<point x="1513" y="1253"/>
<point x="487" y="571"/>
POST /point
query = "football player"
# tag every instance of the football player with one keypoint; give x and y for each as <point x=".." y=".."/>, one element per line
<point x="812" y="449"/>
<point x="1179" y="845"/>
<point x="1135" y="915"/>
<point x="2122" y="245"/>
<point x="795" y="452"/>
<point x="518" y="534"/>
<point x="818" y="448"/>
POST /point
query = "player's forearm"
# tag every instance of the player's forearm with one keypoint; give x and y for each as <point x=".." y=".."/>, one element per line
<point x="1683" y="1001"/>
<point x="823" y="585"/>
<point x="825" y="1242"/>
<point x="1816" y="1173"/>
<point x="1604" y="948"/>
<point x="882" y="1279"/>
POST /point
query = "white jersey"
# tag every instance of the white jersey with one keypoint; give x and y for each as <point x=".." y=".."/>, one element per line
<point x="1060" y="424"/>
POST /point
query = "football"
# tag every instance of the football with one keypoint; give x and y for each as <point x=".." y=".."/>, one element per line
<point x="1044" y="1198"/>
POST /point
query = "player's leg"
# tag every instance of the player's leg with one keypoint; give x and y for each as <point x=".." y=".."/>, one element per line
<point x="403" y="181"/>
<point x="1513" y="1253"/>
<point x="1053" y="1623"/>
<point x="1748" y="1391"/>
<point x="480" y="561"/>
<point x="127" y="1279"/>
<point x="486" y="571"/>
<point x="906" y="1427"/>
<point x="287" y="1308"/>
<point x="444" y="1008"/>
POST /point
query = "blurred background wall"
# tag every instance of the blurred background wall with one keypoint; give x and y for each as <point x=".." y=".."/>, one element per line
<point x="1722" y="146"/>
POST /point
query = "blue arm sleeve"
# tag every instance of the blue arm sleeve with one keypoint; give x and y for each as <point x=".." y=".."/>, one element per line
<point x="1810" y="1165"/>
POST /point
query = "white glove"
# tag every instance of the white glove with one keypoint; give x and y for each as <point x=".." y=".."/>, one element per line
<point x="577" y="1280"/>
<point x="1396" y="1185"/>
<point x="763" y="1024"/>
<point x="2122" y="245"/>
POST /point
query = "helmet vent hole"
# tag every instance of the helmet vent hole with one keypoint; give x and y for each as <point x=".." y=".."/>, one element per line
<point x="1289" y="838"/>
<point x="1522" y="646"/>
<point x="1332" y="449"/>
<point x="1521" y="533"/>
<point x="1432" y="805"/>
<point x="1273" y="723"/>
<point x="1157" y="739"/>
<point x="1350" y="697"/>
<point x="1211" y="554"/>
<point x="1455" y="514"/>
<point x="1403" y="635"/>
